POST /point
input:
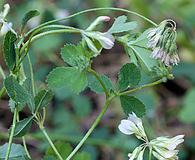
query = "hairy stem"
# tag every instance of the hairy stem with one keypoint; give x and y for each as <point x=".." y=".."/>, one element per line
<point x="99" y="79"/>
<point x="141" y="87"/>
<point x="11" y="134"/>
<point x="51" y="143"/>
<point x="2" y="91"/>
<point x="96" y="122"/>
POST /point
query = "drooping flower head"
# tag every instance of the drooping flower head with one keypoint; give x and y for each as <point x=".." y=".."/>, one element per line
<point x="162" y="40"/>
<point x="4" y="25"/>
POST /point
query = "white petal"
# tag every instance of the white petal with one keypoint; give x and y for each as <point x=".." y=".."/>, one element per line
<point x="6" y="10"/>
<point x="127" y="127"/>
<point x="5" y="28"/>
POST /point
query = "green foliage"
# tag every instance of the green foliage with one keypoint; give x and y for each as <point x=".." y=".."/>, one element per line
<point x="28" y="87"/>
<point x="82" y="105"/>
<point x="120" y="25"/>
<point x="138" y="48"/>
<point x="82" y="156"/>
<point x="23" y="126"/>
<point x="42" y="99"/>
<point x="17" y="152"/>
<point x="76" y="56"/>
<point x="9" y="49"/>
<point x="129" y="76"/>
<point x="187" y="113"/>
<point x="95" y="85"/>
<point x="63" y="148"/>
<point x="28" y="16"/>
<point x="132" y="104"/>
<point x="15" y="91"/>
<point x="69" y="77"/>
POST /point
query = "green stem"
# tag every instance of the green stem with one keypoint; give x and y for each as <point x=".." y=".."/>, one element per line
<point x="150" y="154"/>
<point x="51" y="143"/>
<point x="92" y="10"/>
<point x="31" y="74"/>
<point x="23" y="140"/>
<point x="2" y="91"/>
<point x="42" y="35"/>
<point x="141" y="87"/>
<point x="100" y="80"/>
<point x="96" y="122"/>
<point x="12" y="134"/>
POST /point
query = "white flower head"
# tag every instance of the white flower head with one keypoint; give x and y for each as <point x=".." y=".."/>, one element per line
<point x="162" y="148"/>
<point x="106" y="40"/>
<point x="133" y="125"/>
<point x="165" y="147"/>
<point x="4" y="25"/>
<point x="162" y="40"/>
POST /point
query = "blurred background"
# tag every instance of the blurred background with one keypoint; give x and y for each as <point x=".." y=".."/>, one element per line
<point x="170" y="106"/>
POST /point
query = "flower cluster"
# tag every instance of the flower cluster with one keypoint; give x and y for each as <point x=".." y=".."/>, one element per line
<point x="163" y="148"/>
<point x="162" y="40"/>
<point x="4" y="25"/>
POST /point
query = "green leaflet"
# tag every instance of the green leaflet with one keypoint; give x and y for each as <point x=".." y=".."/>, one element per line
<point x="9" y="50"/>
<point x="69" y="77"/>
<point x="23" y="126"/>
<point x="129" y="76"/>
<point x="139" y="49"/>
<point x="15" y="91"/>
<point x="132" y="104"/>
<point x="120" y="25"/>
<point x="17" y="152"/>
<point x="42" y="99"/>
<point x="95" y="85"/>
<point x="74" y="56"/>
<point x="28" y="16"/>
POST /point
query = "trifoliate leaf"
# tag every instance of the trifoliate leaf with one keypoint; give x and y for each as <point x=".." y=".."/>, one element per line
<point x="140" y="50"/>
<point x="95" y="85"/>
<point x="129" y="76"/>
<point x="132" y="104"/>
<point x="15" y="91"/>
<point x="120" y="25"/>
<point x="17" y="152"/>
<point x="28" y="16"/>
<point x="9" y="50"/>
<point x="69" y="77"/>
<point x="23" y="126"/>
<point x="187" y="113"/>
<point x="75" y="56"/>
<point x="42" y="99"/>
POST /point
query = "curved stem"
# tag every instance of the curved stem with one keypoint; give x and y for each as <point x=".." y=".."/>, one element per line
<point x="42" y="35"/>
<point x="141" y="87"/>
<point x="25" y="147"/>
<point x="12" y="134"/>
<point x="92" y="10"/>
<point x="99" y="79"/>
<point x="104" y="109"/>
<point x="51" y="143"/>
